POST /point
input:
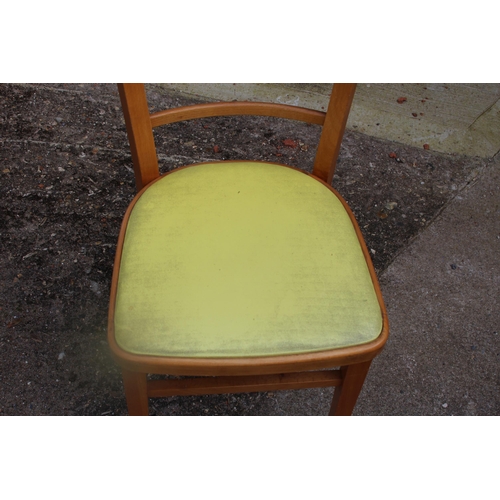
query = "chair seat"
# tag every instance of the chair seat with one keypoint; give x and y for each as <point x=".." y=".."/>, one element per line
<point x="242" y="259"/>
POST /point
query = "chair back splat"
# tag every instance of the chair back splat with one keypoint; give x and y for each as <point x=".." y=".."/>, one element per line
<point x="242" y="276"/>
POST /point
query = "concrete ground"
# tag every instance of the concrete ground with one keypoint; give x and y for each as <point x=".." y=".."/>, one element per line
<point x="450" y="118"/>
<point x="442" y="295"/>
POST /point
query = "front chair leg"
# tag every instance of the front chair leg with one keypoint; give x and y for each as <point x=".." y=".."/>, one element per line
<point x="136" y="392"/>
<point x="346" y="395"/>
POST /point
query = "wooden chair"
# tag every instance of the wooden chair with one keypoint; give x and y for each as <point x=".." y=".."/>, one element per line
<point x="241" y="276"/>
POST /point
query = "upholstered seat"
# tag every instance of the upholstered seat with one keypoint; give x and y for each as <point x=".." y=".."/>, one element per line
<point x="241" y="276"/>
<point x="242" y="259"/>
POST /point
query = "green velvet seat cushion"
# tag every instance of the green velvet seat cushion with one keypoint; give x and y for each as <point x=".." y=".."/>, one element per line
<point x="242" y="259"/>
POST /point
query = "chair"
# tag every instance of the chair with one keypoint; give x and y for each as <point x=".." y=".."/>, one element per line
<point x="241" y="276"/>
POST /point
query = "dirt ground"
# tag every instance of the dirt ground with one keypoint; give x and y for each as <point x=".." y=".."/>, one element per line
<point x="66" y="180"/>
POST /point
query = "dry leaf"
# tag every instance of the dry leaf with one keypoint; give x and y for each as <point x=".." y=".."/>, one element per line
<point x="290" y="143"/>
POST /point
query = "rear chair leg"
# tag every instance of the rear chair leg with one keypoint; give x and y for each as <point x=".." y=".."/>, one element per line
<point x="346" y="395"/>
<point x="136" y="392"/>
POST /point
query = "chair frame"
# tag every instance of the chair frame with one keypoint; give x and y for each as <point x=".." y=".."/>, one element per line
<point x="243" y="374"/>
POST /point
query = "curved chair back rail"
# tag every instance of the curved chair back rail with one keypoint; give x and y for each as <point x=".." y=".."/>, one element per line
<point x="140" y="124"/>
<point x="241" y="108"/>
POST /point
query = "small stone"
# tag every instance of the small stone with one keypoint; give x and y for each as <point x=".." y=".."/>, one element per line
<point x="94" y="286"/>
<point x="61" y="356"/>
<point x="445" y="405"/>
<point x="391" y="205"/>
<point x="58" y="119"/>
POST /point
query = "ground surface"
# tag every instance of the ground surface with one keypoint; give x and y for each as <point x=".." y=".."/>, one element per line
<point x="66" y="180"/>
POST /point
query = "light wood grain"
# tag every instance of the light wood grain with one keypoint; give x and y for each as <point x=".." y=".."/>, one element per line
<point x="333" y="131"/>
<point x="140" y="133"/>
<point x="237" y="109"/>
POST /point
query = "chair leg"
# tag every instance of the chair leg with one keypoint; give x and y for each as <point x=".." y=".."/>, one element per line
<point x="346" y="395"/>
<point x="136" y="392"/>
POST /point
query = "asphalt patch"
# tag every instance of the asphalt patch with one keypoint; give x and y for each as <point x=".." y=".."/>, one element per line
<point x="66" y="180"/>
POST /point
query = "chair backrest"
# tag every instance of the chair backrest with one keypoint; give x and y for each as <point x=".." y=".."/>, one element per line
<point x="140" y="123"/>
